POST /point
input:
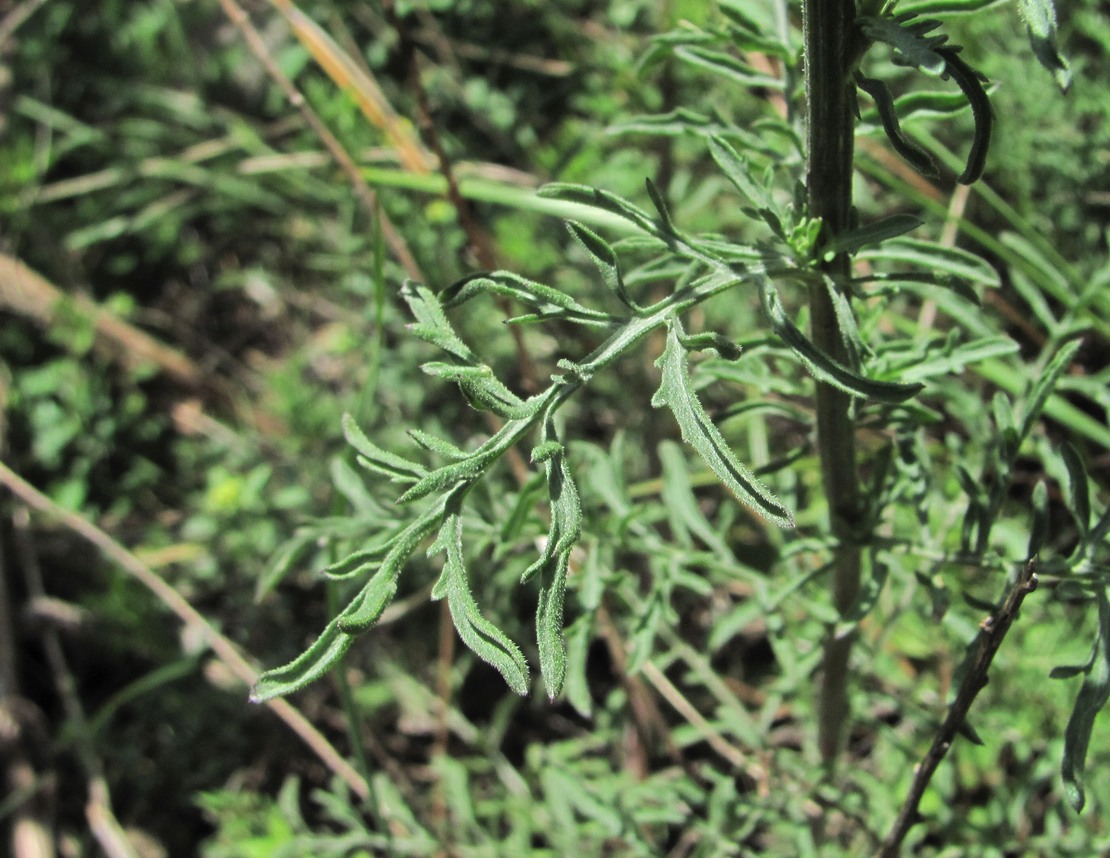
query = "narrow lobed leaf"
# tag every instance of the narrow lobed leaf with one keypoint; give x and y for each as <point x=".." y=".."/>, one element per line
<point x="483" y="638"/>
<point x="824" y="367"/>
<point x="677" y="393"/>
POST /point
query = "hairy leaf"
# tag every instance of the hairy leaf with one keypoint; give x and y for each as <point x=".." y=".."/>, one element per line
<point x="553" y="564"/>
<point x="604" y="257"/>
<point x="483" y="638"/>
<point x="677" y="393"/>
<point x="431" y="324"/>
<point x="548" y="302"/>
<point x="483" y="390"/>
<point x="373" y="458"/>
<point x="1040" y="21"/>
<point x="309" y="666"/>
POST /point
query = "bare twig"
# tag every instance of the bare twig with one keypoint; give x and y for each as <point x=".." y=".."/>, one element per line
<point x="223" y="648"/>
<point x="991" y="633"/>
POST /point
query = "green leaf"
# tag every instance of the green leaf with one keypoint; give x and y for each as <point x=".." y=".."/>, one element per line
<point x="373" y="458"/>
<point x="1045" y="384"/>
<point x="971" y="83"/>
<point x="908" y="36"/>
<point x="677" y="393"/>
<point x="288" y="555"/>
<point x="934" y="258"/>
<point x="553" y="564"/>
<point x="824" y="367"/>
<point x="726" y="65"/>
<point x="1040" y="21"/>
<point x="1039" y="529"/>
<point x="917" y="156"/>
<point x="604" y="257"/>
<point x="548" y="303"/>
<point x="483" y="390"/>
<point x="431" y="324"/>
<point x="437" y="445"/>
<point x="483" y="638"/>
<point x="711" y="340"/>
<point x="585" y="195"/>
<point x="739" y="172"/>
<point x="1077" y="488"/>
<point x="309" y="666"/>
<point x="1093" y="695"/>
<point x="954" y="357"/>
<point x="873" y="233"/>
<point x="378" y="592"/>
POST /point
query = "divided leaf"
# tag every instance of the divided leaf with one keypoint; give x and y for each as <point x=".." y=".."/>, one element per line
<point x="547" y="302"/>
<point x="431" y="324"/>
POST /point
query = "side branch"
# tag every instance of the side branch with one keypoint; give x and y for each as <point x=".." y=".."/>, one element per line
<point x="991" y="633"/>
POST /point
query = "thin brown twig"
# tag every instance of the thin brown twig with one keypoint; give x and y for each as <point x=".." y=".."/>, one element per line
<point x="224" y="649"/>
<point x="363" y="191"/>
<point x="991" y="633"/>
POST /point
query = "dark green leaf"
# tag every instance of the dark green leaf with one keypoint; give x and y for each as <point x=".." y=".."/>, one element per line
<point x="1078" y="489"/>
<point x="1093" y="695"/>
<point x="917" y="156"/>
<point x="824" y="367"/>
<point x="873" y="233"/>
<point x="909" y="39"/>
<point x="1039" y="530"/>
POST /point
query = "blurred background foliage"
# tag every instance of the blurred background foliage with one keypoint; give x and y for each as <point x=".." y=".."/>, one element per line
<point x="153" y="172"/>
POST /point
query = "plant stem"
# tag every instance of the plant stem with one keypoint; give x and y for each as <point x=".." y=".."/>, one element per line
<point x="827" y="26"/>
<point x="991" y="633"/>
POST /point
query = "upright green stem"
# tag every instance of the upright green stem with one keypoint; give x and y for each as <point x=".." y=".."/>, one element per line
<point x="827" y="28"/>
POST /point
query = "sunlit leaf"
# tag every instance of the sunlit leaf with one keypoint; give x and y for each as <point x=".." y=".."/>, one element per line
<point x="552" y="566"/>
<point x="677" y="393"/>
<point x="483" y="638"/>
